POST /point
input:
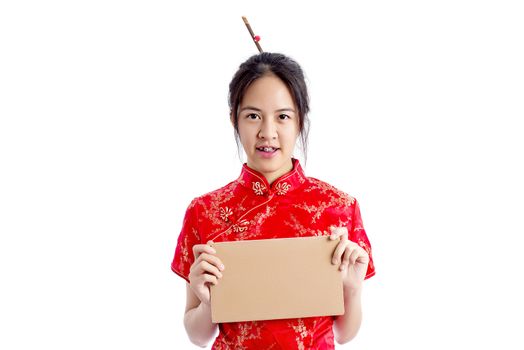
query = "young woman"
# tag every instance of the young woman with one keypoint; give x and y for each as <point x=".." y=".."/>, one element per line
<point x="272" y="198"/>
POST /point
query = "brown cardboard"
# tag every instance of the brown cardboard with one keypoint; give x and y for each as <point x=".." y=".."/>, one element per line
<point x="277" y="279"/>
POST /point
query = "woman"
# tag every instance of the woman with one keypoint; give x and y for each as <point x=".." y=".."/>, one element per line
<point x="272" y="198"/>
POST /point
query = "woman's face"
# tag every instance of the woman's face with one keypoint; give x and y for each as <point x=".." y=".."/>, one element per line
<point x="268" y="125"/>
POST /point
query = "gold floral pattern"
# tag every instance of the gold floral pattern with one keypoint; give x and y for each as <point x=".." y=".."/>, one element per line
<point x="259" y="188"/>
<point x="209" y="206"/>
<point x="299" y="228"/>
<point x="337" y="196"/>
<point x="260" y="218"/>
<point x="302" y="333"/>
<point x="282" y="187"/>
<point x="241" y="226"/>
<point x="367" y="248"/>
<point x="245" y="331"/>
<point x="184" y="250"/>
<point x="225" y="213"/>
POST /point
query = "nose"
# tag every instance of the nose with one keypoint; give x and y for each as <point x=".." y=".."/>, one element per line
<point x="268" y="130"/>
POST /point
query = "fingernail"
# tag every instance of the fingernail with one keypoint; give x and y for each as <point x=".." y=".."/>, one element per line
<point x="343" y="267"/>
<point x="222" y="267"/>
<point x="334" y="261"/>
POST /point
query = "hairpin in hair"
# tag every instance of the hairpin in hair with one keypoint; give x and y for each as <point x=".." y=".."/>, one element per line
<point x="256" y="38"/>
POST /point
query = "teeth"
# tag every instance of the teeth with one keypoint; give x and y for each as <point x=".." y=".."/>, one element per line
<point x="267" y="149"/>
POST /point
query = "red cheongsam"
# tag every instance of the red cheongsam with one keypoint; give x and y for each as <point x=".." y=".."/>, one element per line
<point x="249" y="208"/>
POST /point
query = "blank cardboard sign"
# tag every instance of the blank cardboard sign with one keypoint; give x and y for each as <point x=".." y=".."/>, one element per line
<point x="276" y="279"/>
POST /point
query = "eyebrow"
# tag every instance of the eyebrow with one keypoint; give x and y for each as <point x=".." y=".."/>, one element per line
<point x="287" y="109"/>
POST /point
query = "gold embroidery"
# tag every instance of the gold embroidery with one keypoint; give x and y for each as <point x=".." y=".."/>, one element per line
<point x="185" y="244"/>
<point x="341" y="198"/>
<point x="225" y="213"/>
<point x="367" y="248"/>
<point x="240" y="205"/>
<point x="302" y="332"/>
<point x="217" y="198"/>
<point x="301" y="179"/>
<point x="184" y="250"/>
<point x="259" y="188"/>
<point x="335" y="198"/>
<point x="282" y="188"/>
<point x="300" y="229"/>
<point x="318" y="209"/>
<point x="241" y="226"/>
<point x="260" y="218"/>
<point x="245" y="331"/>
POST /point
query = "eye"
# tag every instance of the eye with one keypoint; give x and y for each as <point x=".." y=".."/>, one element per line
<point x="284" y="116"/>
<point x="252" y="116"/>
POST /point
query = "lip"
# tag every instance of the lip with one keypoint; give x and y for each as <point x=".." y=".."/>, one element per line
<point x="260" y="146"/>
<point x="267" y="155"/>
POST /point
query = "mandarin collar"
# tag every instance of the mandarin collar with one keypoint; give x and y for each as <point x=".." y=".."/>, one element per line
<point x="258" y="185"/>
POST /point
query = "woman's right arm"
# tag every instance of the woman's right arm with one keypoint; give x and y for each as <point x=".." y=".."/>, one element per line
<point x="197" y="318"/>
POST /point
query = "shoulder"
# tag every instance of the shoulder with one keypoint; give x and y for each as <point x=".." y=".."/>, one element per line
<point x="323" y="188"/>
<point x="221" y="194"/>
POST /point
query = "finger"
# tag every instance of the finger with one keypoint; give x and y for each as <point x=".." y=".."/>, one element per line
<point x="347" y="253"/>
<point x="363" y="256"/>
<point x="341" y="246"/>
<point x="202" y="248"/>
<point x="334" y="234"/>
<point x="354" y="256"/>
<point x="338" y="232"/>
<point x="207" y="267"/>
<point x="212" y="259"/>
<point x="209" y="279"/>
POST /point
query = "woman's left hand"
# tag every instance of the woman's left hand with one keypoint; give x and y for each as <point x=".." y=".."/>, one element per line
<point x="352" y="258"/>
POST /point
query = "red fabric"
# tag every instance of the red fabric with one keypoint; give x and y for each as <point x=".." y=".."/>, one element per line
<point x="249" y="208"/>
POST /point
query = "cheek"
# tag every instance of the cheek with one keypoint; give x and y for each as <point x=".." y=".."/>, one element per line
<point x="291" y="134"/>
<point x="245" y="135"/>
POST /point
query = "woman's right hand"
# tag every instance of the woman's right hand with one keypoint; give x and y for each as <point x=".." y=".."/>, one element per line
<point x="204" y="271"/>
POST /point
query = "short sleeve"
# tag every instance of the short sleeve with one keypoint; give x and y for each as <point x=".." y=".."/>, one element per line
<point x="357" y="234"/>
<point x="187" y="238"/>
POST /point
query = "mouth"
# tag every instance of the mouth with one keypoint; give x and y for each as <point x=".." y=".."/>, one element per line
<point x="268" y="149"/>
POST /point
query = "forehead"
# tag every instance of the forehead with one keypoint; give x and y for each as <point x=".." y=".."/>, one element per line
<point x="268" y="90"/>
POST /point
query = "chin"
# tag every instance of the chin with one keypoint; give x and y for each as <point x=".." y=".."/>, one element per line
<point x="269" y="165"/>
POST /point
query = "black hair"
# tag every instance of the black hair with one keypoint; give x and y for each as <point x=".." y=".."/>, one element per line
<point x="288" y="70"/>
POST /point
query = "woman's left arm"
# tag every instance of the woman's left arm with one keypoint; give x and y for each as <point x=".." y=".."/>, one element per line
<point x="353" y="263"/>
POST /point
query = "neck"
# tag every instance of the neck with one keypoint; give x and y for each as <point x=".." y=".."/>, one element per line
<point x="275" y="175"/>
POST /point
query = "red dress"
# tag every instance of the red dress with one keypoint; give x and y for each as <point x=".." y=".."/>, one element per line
<point x="249" y="208"/>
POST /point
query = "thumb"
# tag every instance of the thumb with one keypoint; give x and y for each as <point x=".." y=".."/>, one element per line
<point x="337" y="232"/>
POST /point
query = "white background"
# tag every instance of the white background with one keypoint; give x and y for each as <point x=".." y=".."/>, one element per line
<point x="114" y="116"/>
